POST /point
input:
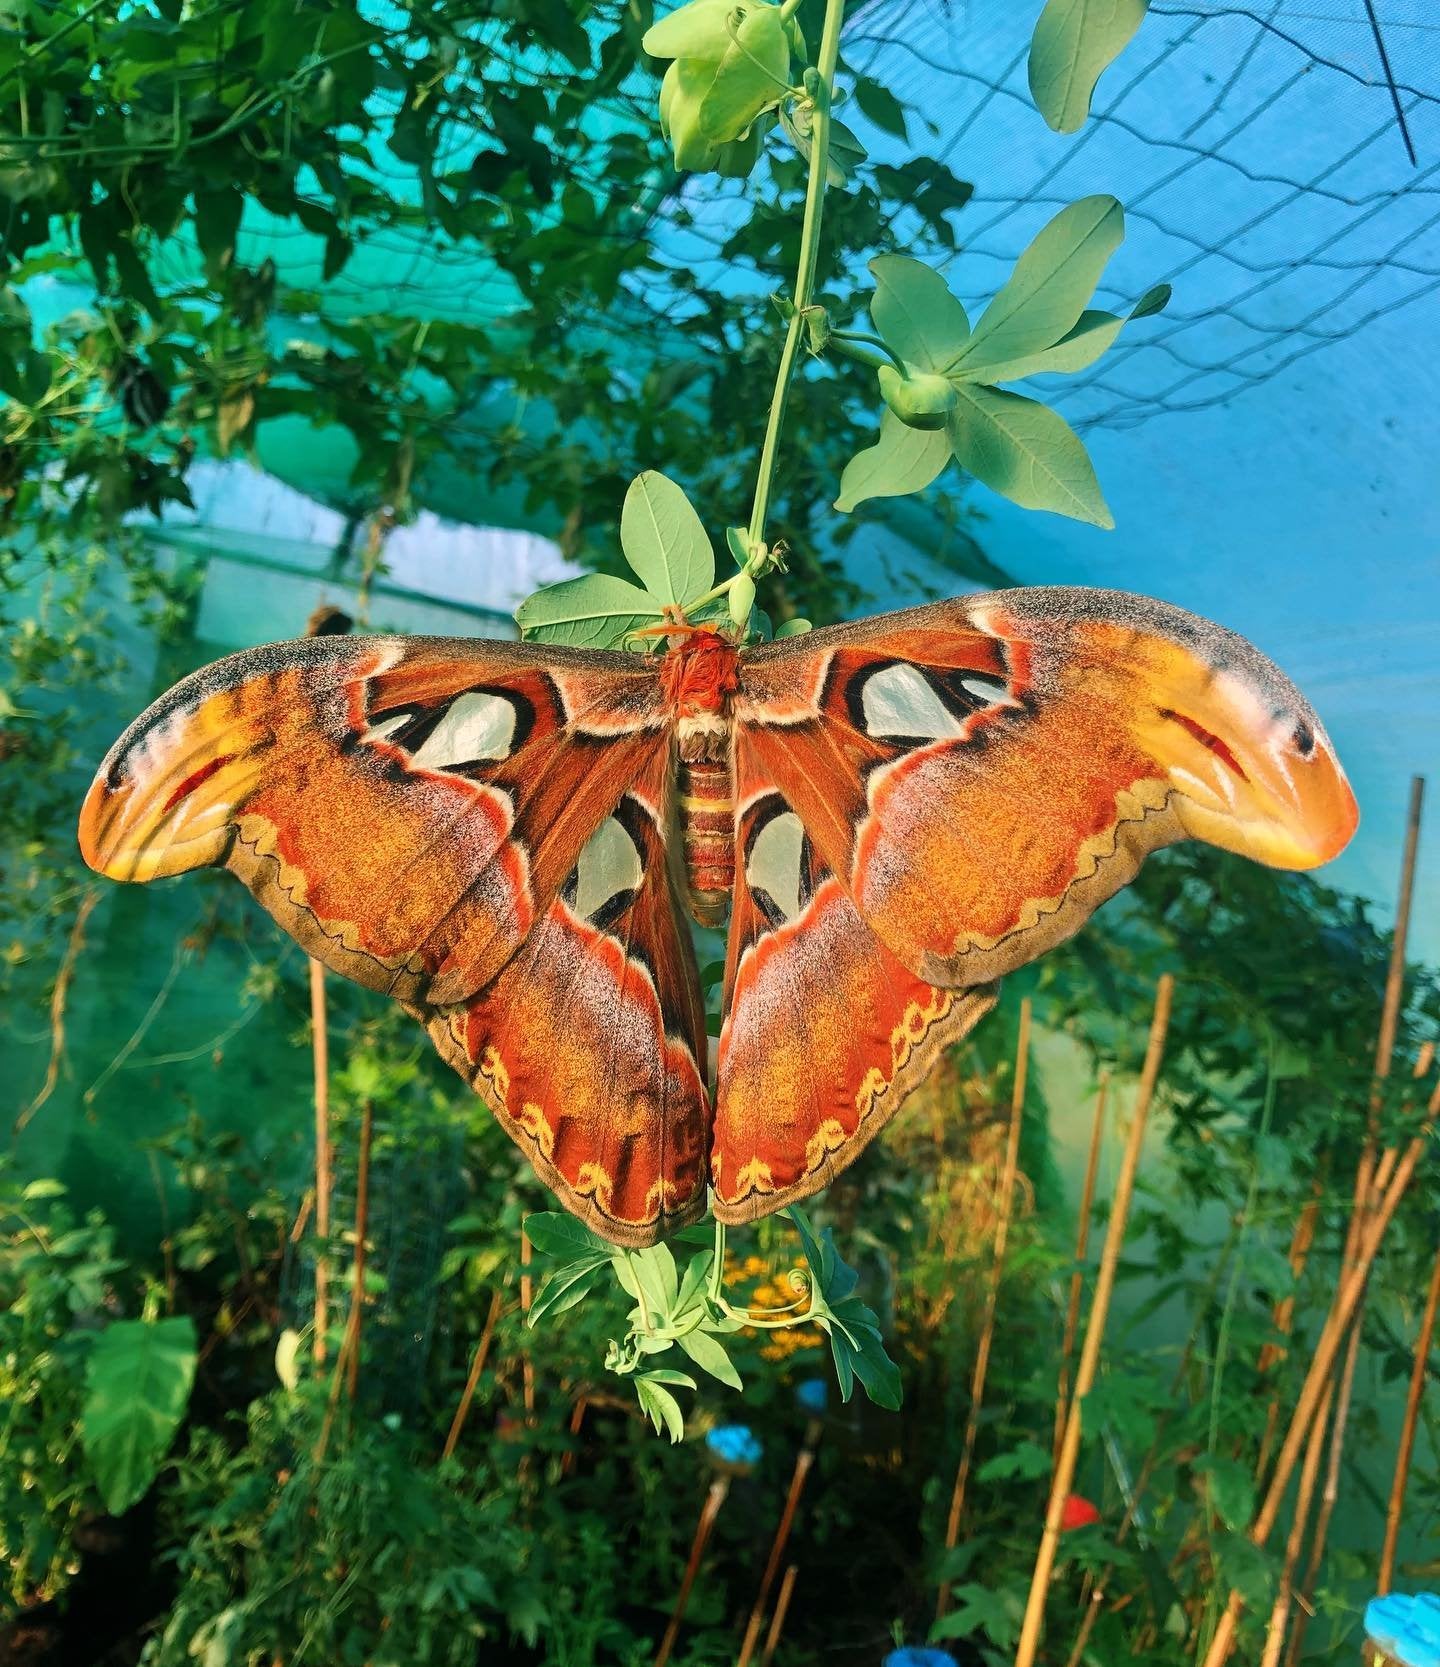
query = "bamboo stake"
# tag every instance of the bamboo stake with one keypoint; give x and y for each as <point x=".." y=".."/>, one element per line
<point x="1369" y="1183"/>
<point x="1077" y="1279"/>
<point x="527" y="1365"/>
<point x="320" y="1045"/>
<point x="1342" y="1310"/>
<point x="714" y="1499"/>
<point x="782" y="1609"/>
<point x="1280" y="1612"/>
<point x="1064" y="1476"/>
<point x="1418" y="1374"/>
<point x="1283" y="1317"/>
<point x="362" y="1226"/>
<point x="477" y="1366"/>
<point x="803" y="1461"/>
<point x="992" y="1297"/>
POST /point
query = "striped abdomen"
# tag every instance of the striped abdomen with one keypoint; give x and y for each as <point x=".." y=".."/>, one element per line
<point x="707" y="824"/>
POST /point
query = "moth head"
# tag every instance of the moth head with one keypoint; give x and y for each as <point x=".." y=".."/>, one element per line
<point x="1251" y="768"/>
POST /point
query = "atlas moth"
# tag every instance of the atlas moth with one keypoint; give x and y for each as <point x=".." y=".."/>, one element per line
<point x="894" y="813"/>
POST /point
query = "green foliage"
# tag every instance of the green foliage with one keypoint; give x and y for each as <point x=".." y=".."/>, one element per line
<point x="1074" y="43"/>
<point x="137" y="1384"/>
<point x="945" y="400"/>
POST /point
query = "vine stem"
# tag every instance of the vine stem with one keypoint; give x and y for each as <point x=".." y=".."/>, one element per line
<point x="805" y="273"/>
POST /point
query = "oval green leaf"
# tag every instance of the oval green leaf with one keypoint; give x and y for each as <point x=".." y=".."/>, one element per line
<point x="1027" y="453"/>
<point x="901" y="461"/>
<point x="594" y="611"/>
<point x="916" y="314"/>
<point x="1043" y="297"/>
<point x="664" y="541"/>
<point x="1074" y="43"/>
<point x="137" y="1388"/>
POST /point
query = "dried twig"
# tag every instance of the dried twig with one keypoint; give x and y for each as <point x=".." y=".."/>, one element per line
<point x="714" y="1499"/>
<point x="992" y="1298"/>
<point x="1064" y="1476"/>
<point x="477" y="1366"/>
<point x="58" y="996"/>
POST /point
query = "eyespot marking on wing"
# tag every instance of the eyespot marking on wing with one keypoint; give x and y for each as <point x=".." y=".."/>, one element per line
<point x="775" y="866"/>
<point x="608" y="874"/>
<point x="897" y="701"/>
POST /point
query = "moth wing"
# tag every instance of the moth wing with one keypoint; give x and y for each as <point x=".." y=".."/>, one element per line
<point x="825" y="1031"/>
<point x="981" y="775"/>
<point x="407" y="808"/>
<point x="589" y="1046"/>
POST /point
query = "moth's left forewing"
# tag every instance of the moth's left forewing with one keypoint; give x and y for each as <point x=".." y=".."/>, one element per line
<point x="589" y="1046"/>
<point x="983" y="774"/>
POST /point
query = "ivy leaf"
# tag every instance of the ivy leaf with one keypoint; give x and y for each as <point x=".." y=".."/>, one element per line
<point x="709" y="1355"/>
<point x="1026" y="452"/>
<point x="664" y="540"/>
<point x="594" y="611"/>
<point x="138" y="1382"/>
<point x="902" y="460"/>
<point x="1053" y="279"/>
<point x="1074" y="43"/>
<point x="916" y="314"/>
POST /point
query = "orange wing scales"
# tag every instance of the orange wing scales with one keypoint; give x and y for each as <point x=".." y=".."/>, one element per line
<point x="587" y="1046"/>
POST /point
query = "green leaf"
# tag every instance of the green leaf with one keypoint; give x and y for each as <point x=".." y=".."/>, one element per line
<point x="1094" y="334"/>
<point x="1028" y="1461"/>
<point x="915" y="313"/>
<point x="595" y="611"/>
<point x="138" y="1382"/>
<point x="664" y="541"/>
<point x="654" y="1272"/>
<point x="902" y="460"/>
<point x="660" y="1406"/>
<point x="709" y="1355"/>
<point x="1074" y="43"/>
<point x="566" y="1286"/>
<point x="881" y="106"/>
<point x="1232" y="1489"/>
<point x="792" y="628"/>
<point x="1026" y="452"/>
<point x="557" y="1233"/>
<point x="1053" y="279"/>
